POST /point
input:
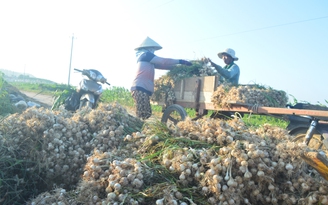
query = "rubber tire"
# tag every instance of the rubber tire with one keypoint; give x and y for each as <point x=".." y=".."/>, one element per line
<point x="182" y="114"/>
<point x="315" y="142"/>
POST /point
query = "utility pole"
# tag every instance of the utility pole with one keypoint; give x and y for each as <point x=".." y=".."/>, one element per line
<point x="70" y="60"/>
<point x="24" y="73"/>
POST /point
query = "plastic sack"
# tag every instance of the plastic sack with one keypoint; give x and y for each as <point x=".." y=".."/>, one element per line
<point x="72" y="102"/>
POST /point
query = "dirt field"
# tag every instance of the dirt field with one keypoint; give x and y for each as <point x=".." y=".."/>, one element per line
<point x="43" y="100"/>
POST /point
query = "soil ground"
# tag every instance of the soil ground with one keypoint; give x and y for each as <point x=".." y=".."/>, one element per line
<point x="42" y="99"/>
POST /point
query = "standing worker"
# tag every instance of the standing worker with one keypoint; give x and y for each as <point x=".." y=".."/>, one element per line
<point x="143" y="84"/>
<point x="230" y="72"/>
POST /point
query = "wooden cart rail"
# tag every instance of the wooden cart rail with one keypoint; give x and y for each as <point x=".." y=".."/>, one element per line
<point x="247" y="108"/>
<point x="193" y="92"/>
<point x="196" y="93"/>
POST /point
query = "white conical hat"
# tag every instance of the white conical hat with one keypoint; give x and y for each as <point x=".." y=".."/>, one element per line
<point x="148" y="42"/>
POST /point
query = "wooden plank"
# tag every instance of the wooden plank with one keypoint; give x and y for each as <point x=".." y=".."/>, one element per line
<point x="274" y="110"/>
<point x="209" y="84"/>
<point x="197" y="92"/>
<point x="288" y="111"/>
<point x="185" y="90"/>
<point x="182" y="89"/>
<point x="187" y="96"/>
<point x="188" y="85"/>
<point x="204" y="97"/>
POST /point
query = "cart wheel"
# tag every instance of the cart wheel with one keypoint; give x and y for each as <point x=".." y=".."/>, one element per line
<point x="174" y="113"/>
<point x="314" y="143"/>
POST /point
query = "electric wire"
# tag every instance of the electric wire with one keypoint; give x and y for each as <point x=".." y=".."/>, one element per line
<point x="263" y="28"/>
<point x="155" y="7"/>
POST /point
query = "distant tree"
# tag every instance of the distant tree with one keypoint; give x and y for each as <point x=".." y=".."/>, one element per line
<point x="23" y="76"/>
<point x="1" y="80"/>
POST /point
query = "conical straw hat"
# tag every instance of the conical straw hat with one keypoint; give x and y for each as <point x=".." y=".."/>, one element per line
<point x="148" y="42"/>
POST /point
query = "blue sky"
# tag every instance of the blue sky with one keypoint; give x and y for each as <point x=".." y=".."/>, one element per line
<point x="280" y="44"/>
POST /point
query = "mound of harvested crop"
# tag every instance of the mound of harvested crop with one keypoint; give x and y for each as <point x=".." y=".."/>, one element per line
<point x="106" y="156"/>
<point x="249" y="94"/>
<point x="42" y="149"/>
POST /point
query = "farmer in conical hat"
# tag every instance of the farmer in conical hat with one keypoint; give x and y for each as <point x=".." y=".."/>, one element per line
<point x="143" y="84"/>
<point x="230" y="72"/>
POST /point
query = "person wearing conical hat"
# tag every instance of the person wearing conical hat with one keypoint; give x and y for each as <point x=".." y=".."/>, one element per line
<point x="143" y="83"/>
<point x="230" y="72"/>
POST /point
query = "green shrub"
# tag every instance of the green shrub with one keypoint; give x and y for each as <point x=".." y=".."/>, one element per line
<point x="258" y="120"/>
<point x="44" y="88"/>
<point x="5" y="105"/>
<point x="119" y="95"/>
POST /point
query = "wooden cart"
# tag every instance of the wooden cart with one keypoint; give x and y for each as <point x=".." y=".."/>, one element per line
<point x="196" y="93"/>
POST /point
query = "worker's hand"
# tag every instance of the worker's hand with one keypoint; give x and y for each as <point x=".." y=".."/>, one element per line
<point x="205" y="60"/>
<point x="184" y="62"/>
<point x="208" y="60"/>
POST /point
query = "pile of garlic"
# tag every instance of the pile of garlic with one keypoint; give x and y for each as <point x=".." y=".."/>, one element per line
<point x="50" y="148"/>
<point x="255" y="167"/>
<point x="88" y="157"/>
<point x="163" y="90"/>
<point x="249" y="94"/>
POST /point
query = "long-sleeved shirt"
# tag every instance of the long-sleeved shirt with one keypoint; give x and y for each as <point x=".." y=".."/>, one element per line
<point x="146" y="64"/>
<point x="230" y="72"/>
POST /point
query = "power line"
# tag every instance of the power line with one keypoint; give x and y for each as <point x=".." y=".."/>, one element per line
<point x="156" y="7"/>
<point x="263" y="28"/>
<point x="144" y="3"/>
<point x="163" y="4"/>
